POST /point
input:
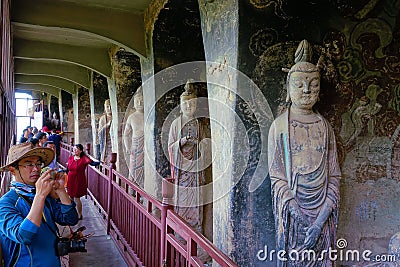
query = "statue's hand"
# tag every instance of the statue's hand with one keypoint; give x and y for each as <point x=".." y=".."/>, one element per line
<point x="192" y="141"/>
<point x="312" y="235"/>
<point x="188" y="141"/>
<point x="183" y="141"/>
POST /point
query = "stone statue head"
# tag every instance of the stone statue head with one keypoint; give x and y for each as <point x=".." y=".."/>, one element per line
<point x="189" y="99"/>
<point x="107" y="106"/>
<point x="138" y="99"/>
<point x="303" y="80"/>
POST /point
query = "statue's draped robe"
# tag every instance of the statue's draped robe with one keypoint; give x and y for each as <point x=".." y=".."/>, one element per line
<point x="187" y="169"/>
<point x="309" y="189"/>
<point x="136" y="161"/>
<point x="105" y="138"/>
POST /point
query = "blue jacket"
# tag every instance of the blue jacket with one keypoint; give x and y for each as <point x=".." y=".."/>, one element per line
<point x="56" y="138"/>
<point x="25" y="244"/>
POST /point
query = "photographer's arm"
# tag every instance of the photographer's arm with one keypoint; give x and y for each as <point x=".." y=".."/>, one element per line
<point x="35" y="214"/>
<point x="43" y="187"/>
<point x="64" y="198"/>
<point x="64" y="211"/>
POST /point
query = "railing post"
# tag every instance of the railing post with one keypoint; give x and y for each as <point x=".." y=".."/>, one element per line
<point x="167" y="190"/>
<point x="87" y="176"/>
<point x="113" y="160"/>
<point x="72" y="140"/>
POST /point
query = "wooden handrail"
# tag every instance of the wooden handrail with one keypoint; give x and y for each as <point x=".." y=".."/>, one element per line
<point x="181" y="227"/>
<point x="149" y="233"/>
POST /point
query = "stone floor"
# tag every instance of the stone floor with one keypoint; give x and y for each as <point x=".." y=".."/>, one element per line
<point x="101" y="249"/>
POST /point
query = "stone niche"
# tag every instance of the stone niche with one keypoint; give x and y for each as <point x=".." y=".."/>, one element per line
<point x="177" y="38"/>
<point x="126" y="72"/>
<point x="100" y="94"/>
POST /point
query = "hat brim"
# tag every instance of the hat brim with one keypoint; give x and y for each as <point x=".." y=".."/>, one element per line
<point x="44" y="153"/>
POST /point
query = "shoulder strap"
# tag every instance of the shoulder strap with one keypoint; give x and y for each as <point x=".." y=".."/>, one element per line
<point x="29" y="201"/>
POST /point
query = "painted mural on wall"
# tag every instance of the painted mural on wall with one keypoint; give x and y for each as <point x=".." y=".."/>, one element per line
<point x="84" y="117"/>
<point x="358" y="43"/>
<point x="127" y="74"/>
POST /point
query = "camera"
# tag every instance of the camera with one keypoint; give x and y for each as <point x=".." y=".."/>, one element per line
<point x="67" y="245"/>
<point x="75" y="243"/>
<point x="53" y="175"/>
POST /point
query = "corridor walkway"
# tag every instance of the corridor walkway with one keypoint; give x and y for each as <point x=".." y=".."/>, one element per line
<point x="101" y="249"/>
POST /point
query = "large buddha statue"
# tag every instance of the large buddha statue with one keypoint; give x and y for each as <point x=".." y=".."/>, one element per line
<point x="188" y="147"/>
<point x="304" y="170"/>
<point x="103" y="131"/>
<point x="134" y="139"/>
<point x="185" y="152"/>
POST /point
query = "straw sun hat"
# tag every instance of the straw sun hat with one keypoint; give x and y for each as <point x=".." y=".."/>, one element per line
<point x="24" y="150"/>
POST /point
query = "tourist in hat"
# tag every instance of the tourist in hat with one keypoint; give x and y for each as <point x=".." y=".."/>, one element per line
<point x="28" y="215"/>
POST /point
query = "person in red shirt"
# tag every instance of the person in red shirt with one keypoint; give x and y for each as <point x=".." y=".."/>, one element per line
<point x="45" y="129"/>
<point x="77" y="181"/>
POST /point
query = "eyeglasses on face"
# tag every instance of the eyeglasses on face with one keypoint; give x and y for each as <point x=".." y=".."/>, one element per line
<point x="32" y="165"/>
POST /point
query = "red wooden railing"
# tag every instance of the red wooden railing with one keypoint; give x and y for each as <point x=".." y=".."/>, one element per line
<point x="144" y="228"/>
<point x="179" y="254"/>
<point x="65" y="152"/>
